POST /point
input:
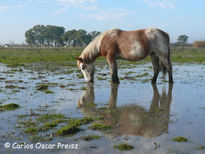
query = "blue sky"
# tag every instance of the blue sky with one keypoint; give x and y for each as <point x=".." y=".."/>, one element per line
<point x="173" y="16"/>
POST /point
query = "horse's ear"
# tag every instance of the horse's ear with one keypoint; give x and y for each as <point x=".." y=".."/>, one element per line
<point x="80" y="59"/>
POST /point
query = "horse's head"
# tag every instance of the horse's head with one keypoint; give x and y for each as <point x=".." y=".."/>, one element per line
<point x="87" y="69"/>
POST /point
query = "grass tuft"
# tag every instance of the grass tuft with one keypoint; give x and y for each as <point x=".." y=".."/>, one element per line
<point x="31" y="130"/>
<point x="9" y="107"/>
<point x="42" y="87"/>
<point x="98" y="126"/>
<point x="180" y="139"/>
<point x="69" y="129"/>
<point x="47" y="117"/>
<point x="124" y="147"/>
<point x="89" y="138"/>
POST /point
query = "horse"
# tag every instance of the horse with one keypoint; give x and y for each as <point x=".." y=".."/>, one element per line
<point x="133" y="45"/>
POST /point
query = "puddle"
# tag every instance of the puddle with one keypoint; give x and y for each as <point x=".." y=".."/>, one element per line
<point x="143" y="115"/>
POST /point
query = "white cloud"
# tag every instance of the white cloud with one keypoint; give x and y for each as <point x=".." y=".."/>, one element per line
<point x="76" y="3"/>
<point x="160" y="3"/>
<point x="91" y="7"/>
<point x="83" y="4"/>
<point x="5" y="8"/>
<point x="8" y="8"/>
<point x="107" y="15"/>
<point x="39" y="1"/>
<point x="61" y="10"/>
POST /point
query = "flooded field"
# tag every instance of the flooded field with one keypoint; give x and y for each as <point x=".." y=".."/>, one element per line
<point x="57" y="106"/>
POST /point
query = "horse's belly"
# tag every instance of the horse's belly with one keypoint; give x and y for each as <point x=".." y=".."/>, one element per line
<point x="135" y="53"/>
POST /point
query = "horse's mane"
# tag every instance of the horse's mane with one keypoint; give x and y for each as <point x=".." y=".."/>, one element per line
<point x="92" y="50"/>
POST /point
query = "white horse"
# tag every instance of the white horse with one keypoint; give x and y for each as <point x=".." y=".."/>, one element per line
<point x="130" y="45"/>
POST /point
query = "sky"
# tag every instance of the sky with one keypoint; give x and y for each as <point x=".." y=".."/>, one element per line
<point x="177" y="17"/>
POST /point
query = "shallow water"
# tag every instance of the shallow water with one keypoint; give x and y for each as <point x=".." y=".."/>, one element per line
<point x="144" y="115"/>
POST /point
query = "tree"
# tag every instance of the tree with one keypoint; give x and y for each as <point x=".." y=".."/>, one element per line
<point x="94" y="34"/>
<point x="36" y="35"/>
<point x="69" y="37"/>
<point x="39" y="34"/>
<point x="82" y="38"/>
<point x="54" y="35"/>
<point x="76" y="38"/>
<point x="30" y="38"/>
<point x="182" y="40"/>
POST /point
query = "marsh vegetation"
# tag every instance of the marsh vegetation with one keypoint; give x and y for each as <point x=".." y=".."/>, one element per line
<point x="44" y="98"/>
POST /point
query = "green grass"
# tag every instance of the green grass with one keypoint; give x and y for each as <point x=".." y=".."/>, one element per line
<point x="28" y="123"/>
<point x="98" y="126"/>
<point x="73" y="126"/>
<point x="48" y="91"/>
<point x="124" y="147"/>
<point x="66" y="56"/>
<point x="44" y="88"/>
<point x="31" y="130"/>
<point x="10" y="86"/>
<point x="79" y="122"/>
<point x="45" y="122"/>
<point x="42" y="123"/>
<point x="100" y="78"/>
<point x="142" y="75"/>
<point x="47" y="117"/>
<point x="180" y="139"/>
<point x="201" y="147"/>
<point x="67" y="130"/>
<point x="48" y="126"/>
<point x="39" y="138"/>
<point x="15" y="56"/>
<point x="9" y="107"/>
<point x="188" y="55"/>
<point x="89" y="138"/>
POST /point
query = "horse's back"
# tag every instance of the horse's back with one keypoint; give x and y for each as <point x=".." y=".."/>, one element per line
<point x="133" y="45"/>
<point x="119" y="43"/>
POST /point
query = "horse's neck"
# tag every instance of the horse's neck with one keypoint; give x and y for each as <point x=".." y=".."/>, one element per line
<point x="90" y="53"/>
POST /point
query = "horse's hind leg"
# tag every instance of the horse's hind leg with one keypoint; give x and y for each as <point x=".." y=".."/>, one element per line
<point x="168" y="65"/>
<point x="156" y="67"/>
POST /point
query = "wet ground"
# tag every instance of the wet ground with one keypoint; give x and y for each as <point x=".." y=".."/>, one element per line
<point x="143" y="115"/>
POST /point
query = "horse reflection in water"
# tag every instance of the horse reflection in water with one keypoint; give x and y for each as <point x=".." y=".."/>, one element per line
<point x="131" y="119"/>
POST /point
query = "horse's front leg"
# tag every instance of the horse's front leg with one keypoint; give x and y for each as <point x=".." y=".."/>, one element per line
<point x="113" y="71"/>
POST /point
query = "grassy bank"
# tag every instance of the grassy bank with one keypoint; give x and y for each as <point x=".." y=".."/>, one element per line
<point x="27" y="55"/>
<point x="15" y="56"/>
<point x="188" y="55"/>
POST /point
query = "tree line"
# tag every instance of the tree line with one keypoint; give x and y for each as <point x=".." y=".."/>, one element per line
<point x="56" y="36"/>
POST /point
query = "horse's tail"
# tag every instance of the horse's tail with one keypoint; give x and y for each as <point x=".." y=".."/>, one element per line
<point x="160" y="45"/>
<point x="163" y="69"/>
<point x="167" y="38"/>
